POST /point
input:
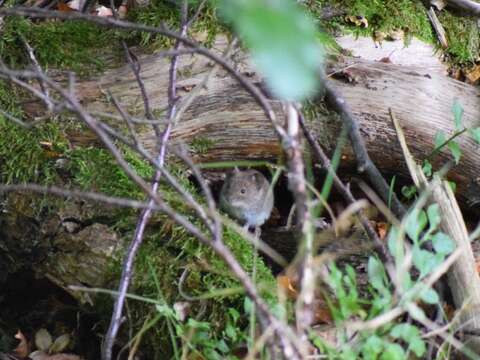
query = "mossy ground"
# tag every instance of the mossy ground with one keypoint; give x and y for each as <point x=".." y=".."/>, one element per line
<point x="69" y="45"/>
<point x="167" y="249"/>
<point x="411" y="17"/>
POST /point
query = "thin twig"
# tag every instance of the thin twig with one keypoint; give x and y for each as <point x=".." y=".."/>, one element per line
<point x="365" y="164"/>
<point x="94" y="196"/>
<point x="37" y="66"/>
<point x="305" y="313"/>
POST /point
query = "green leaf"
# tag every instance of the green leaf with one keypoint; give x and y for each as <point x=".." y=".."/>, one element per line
<point x="372" y="347"/>
<point x="348" y="353"/>
<point x="440" y="139"/>
<point x="442" y="243"/>
<point x="222" y="346"/>
<point x="416" y="222"/>
<point x="231" y="332"/>
<point x="453" y="185"/>
<point x="166" y="311"/>
<point x="457" y="110"/>
<point x="279" y="310"/>
<point x="248" y="305"/>
<point x="416" y="312"/>
<point x="411" y="335"/>
<point x="404" y="331"/>
<point x="418" y="346"/>
<point x="283" y="41"/>
<point x="376" y="274"/>
<point x="433" y="214"/>
<point x="429" y="296"/>
<point x="409" y="191"/>
<point x="475" y="133"/>
<point x="424" y="260"/>
<point x="427" y="168"/>
<point x="393" y="352"/>
<point x="234" y="314"/>
<point x="395" y="244"/>
<point x="455" y="150"/>
<point x="212" y="354"/>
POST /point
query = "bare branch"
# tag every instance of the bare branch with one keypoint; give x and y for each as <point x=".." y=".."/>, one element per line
<point x="365" y="164"/>
<point x="94" y="196"/>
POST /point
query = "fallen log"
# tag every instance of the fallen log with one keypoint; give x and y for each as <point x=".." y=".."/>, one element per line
<point x="235" y="127"/>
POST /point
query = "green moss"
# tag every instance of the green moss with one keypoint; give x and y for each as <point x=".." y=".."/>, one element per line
<point x="410" y="16"/>
<point x="72" y="45"/>
<point x="382" y="15"/>
<point x="160" y="12"/>
<point x="463" y="37"/>
<point x="96" y="170"/>
<point x="22" y="156"/>
<point x="201" y="145"/>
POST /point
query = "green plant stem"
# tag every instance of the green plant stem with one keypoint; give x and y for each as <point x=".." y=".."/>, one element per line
<point x="438" y="148"/>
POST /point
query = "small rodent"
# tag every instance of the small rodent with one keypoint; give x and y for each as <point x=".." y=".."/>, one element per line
<point x="247" y="196"/>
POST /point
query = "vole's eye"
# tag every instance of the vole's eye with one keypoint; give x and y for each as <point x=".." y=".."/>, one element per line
<point x="243" y="191"/>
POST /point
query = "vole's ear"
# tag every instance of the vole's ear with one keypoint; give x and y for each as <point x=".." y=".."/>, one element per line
<point x="258" y="179"/>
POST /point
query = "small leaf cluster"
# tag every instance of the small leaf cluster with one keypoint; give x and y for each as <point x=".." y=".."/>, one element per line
<point x="441" y="139"/>
<point x="428" y="251"/>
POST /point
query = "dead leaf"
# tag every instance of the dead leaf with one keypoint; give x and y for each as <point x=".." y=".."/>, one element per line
<point x="22" y="349"/>
<point x="103" y="11"/>
<point x="61" y="6"/>
<point x="286" y="284"/>
<point x="357" y="20"/>
<point x="43" y="339"/>
<point x="439" y="4"/>
<point x="395" y="35"/>
<point x="74" y="4"/>
<point x="182" y="309"/>
<point x="53" y="154"/>
<point x="385" y="60"/>
<point x="40" y="355"/>
<point x="188" y="88"/>
<point x="473" y="75"/>
<point x="322" y="313"/>
<point x="122" y="12"/>
<point x="60" y="344"/>
<point x="382" y="230"/>
<point x="477" y="265"/>
<point x="46" y="144"/>
<point x="379" y="36"/>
